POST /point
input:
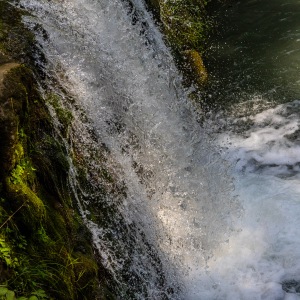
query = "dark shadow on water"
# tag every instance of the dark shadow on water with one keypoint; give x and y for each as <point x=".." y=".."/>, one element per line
<point x="256" y="51"/>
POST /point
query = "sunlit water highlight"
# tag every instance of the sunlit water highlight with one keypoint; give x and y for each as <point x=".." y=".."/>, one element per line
<point x="221" y="209"/>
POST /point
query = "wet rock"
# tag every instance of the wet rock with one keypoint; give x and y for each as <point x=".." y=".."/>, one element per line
<point x="291" y="286"/>
<point x="195" y="66"/>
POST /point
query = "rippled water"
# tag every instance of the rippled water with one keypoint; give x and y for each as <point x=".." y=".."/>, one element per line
<point x="257" y="84"/>
<point x="257" y="51"/>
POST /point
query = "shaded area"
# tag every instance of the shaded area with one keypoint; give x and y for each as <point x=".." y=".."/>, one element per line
<point x="44" y="245"/>
<point x="291" y="286"/>
<point x="255" y="52"/>
<point x="186" y="26"/>
<point x="45" y="249"/>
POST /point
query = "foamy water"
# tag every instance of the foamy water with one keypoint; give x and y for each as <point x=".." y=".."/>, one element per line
<point x="220" y="209"/>
<point x="264" y="254"/>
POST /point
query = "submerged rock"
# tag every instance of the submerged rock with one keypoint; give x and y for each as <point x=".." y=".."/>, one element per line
<point x="291" y="286"/>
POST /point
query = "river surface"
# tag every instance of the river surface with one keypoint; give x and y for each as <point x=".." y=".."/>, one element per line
<point x="218" y="202"/>
<point x="257" y="51"/>
<point x="255" y="61"/>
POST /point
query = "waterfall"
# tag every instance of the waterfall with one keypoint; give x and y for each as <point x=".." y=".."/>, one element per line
<point x="197" y="213"/>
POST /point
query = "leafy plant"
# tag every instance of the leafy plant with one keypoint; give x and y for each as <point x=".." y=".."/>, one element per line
<point x="6" y="254"/>
<point x="23" y="170"/>
<point x="7" y="294"/>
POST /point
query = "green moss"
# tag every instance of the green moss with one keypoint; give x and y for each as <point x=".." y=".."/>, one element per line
<point x="23" y="194"/>
<point x="64" y="116"/>
<point x="195" y="67"/>
<point x="186" y="26"/>
<point x="184" y="23"/>
<point x="42" y="248"/>
<point x="33" y="186"/>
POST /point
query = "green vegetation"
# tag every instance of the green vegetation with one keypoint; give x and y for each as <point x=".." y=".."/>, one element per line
<point x="185" y="25"/>
<point x="39" y="238"/>
<point x="45" y="249"/>
<point x="64" y="116"/>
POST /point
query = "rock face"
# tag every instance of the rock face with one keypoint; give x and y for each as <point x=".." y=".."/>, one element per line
<point x="40" y="229"/>
<point x="4" y="69"/>
<point x="45" y="249"/>
<point x="185" y="25"/>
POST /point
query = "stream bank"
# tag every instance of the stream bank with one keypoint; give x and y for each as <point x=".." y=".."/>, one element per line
<point x="46" y="250"/>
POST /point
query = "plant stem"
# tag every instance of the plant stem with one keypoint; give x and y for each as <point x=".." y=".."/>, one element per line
<point x="11" y="216"/>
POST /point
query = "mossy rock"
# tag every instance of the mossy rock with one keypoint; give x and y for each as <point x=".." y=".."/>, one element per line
<point x="38" y="214"/>
<point x="186" y="26"/>
<point x="21" y="193"/>
<point x="65" y="117"/>
<point x="16" y="41"/>
<point x="195" y="67"/>
<point x="184" y="23"/>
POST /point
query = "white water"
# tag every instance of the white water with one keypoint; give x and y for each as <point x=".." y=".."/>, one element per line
<point x="221" y="237"/>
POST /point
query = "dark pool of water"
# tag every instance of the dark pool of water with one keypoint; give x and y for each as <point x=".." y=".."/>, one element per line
<point x="256" y="52"/>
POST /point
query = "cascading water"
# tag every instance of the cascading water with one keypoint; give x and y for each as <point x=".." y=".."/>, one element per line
<point x="180" y="231"/>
